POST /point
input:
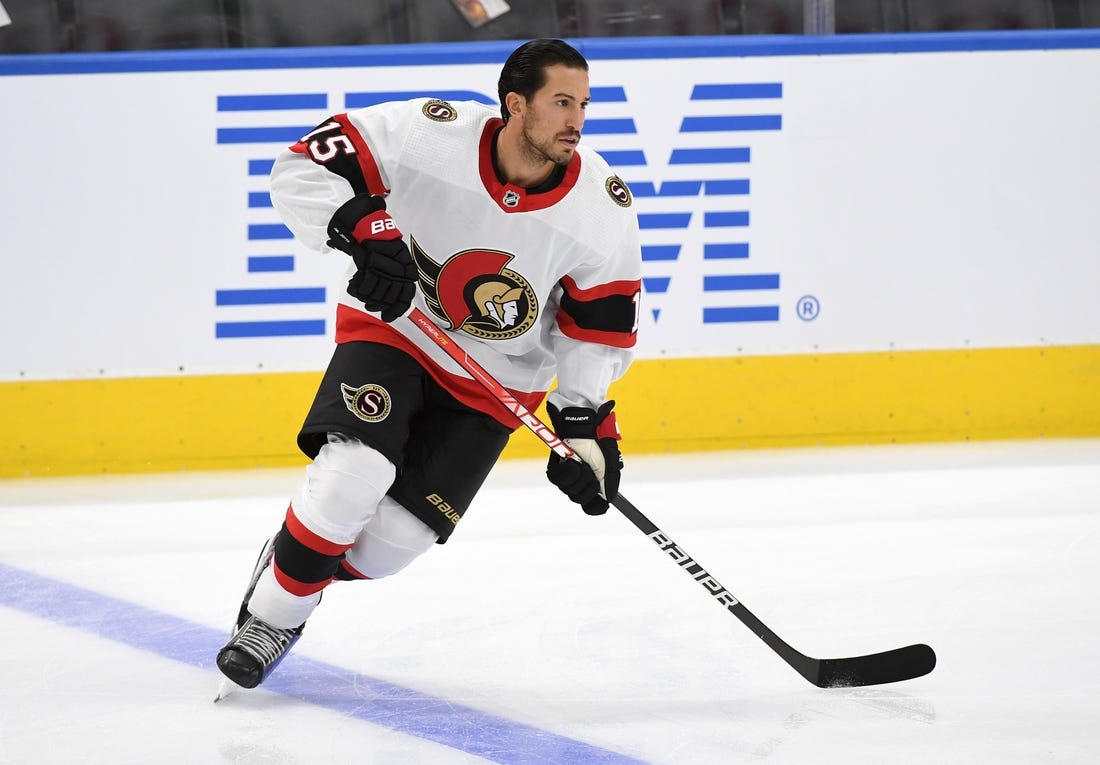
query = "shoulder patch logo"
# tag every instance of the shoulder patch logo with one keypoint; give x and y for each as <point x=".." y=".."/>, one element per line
<point x="440" y="111"/>
<point x="618" y="191"/>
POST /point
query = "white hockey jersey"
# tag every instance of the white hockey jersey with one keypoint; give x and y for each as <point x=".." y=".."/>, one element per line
<point x="531" y="285"/>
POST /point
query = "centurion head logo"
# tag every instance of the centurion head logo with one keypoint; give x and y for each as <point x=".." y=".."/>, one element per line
<point x="474" y="292"/>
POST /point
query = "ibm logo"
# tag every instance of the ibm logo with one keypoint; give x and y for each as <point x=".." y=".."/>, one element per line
<point x="693" y="198"/>
<point x="703" y="200"/>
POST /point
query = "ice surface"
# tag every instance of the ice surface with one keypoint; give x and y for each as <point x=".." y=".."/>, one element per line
<point x="541" y="635"/>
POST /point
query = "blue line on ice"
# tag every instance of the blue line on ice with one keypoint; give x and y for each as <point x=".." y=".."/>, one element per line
<point x="340" y="690"/>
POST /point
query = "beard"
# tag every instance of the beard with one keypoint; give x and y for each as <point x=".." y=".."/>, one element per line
<point x="547" y="150"/>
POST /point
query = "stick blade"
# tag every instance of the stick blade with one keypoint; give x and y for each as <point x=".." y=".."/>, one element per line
<point x="876" y="669"/>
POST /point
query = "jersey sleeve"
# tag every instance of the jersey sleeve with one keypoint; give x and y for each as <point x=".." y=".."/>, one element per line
<point x="346" y="155"/>
<point x="597" y="317"/>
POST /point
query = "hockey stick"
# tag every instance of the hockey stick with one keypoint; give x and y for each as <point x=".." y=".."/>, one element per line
<point x="872" y="669"/>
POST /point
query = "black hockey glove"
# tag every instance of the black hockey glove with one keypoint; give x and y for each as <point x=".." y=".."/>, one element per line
<point x="594" y="436"/>
<point x="386" y="277"/>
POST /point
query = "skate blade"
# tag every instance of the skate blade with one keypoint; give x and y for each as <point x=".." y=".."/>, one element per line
<point x="226" y="688"/>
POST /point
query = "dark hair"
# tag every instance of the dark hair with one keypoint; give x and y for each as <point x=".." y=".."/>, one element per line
<point x="525" y="70"/>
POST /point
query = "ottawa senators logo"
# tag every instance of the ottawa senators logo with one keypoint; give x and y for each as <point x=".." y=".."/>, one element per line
<point x="370" y="403"/>
<point x="618" y="191"/>
<point x="475" y="293"/>
<point x="440" y="111"/>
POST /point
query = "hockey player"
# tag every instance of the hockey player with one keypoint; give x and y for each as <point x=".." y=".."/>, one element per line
<point x="525" y="249"/>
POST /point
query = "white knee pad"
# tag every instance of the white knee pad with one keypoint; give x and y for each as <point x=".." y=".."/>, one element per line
<point x="391" y="540"/>
<point x="343" y="487"/>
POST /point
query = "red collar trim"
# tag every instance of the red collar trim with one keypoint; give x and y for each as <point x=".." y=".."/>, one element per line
<point x="512" y="198"/>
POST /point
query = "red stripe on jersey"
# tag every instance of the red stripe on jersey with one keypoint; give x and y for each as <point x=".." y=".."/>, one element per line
<point x="524" y="202"/>
<point x="357" y="325"/>
<point x="366" y="158"/>
<point x="310" y="540"/>
<point x="293" y="586"/>
<point x="571" y="329"/>
<point x="626" y="288"/>
<point x="612" y="305"/>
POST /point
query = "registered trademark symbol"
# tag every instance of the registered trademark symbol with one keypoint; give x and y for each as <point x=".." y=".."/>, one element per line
<point x="808" y="308"/>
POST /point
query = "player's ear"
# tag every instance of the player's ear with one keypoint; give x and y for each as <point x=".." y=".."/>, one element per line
<point x="515" y="103"/>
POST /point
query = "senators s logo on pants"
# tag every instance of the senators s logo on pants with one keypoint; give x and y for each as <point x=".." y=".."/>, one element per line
<point x="370" y="402"/>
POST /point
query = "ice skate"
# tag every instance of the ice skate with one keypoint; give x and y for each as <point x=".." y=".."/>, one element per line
<point x="254" y="651"/>
<point x="251" y="655"/>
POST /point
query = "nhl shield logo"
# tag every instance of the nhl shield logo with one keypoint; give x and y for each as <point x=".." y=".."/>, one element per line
<point x="510" y="198"/>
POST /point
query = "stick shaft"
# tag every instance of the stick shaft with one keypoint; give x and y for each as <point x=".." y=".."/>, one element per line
<point x="487" y="381"/>
<point x="887" y="667"/>
<point x="633" y="514"/>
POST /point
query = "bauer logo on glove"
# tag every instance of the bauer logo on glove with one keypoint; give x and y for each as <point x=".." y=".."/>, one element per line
<point x="379" y="227"/>
<point x="385" y="276"/>
<point x="591" y="480"/>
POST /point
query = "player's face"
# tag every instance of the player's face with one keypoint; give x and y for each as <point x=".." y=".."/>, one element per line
<point x="554" y="116"/>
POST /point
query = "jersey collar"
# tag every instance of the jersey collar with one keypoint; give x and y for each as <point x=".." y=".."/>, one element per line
<point x="512" y="198"/>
